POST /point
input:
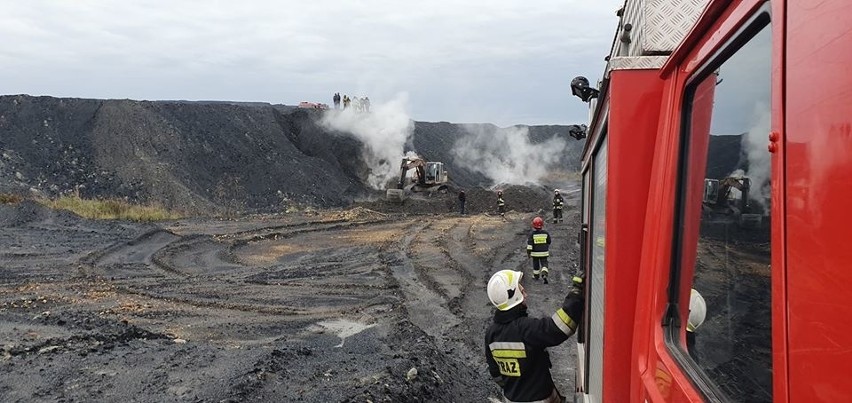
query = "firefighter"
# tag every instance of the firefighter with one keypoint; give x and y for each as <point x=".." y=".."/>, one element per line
<point x="538" y="248"/>
<point x="515" y="344"/>
<point x="501" y="205"/>
<point x="558" y="202"/>
<point x="462" y="199"/>
<point x="336" y="100"/>
<point x="697" y="314"/>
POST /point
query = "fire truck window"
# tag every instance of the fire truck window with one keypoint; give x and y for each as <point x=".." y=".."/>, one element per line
<point x="595" y="279"/>
<point x="724" y="223"/>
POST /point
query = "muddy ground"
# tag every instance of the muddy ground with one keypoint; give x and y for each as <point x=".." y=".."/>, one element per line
<point x="321" y="306"/>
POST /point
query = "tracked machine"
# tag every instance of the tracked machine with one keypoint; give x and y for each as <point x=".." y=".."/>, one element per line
<point x="428" y="177"/>
<point x="722" y="203"/>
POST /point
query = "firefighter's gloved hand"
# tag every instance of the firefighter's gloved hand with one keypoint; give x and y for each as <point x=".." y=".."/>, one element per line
<point x="575" y="302"/>
<point x="578" y="286"/>
<point x="578" y="283"/>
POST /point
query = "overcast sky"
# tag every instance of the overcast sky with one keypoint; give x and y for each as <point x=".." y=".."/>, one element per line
<point x="500" y="61"/>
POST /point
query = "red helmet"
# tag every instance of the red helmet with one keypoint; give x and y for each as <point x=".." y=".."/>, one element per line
<point x="538" y="223"/>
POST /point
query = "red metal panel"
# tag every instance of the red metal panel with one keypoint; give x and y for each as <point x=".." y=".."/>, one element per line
<point x="661" y="378"/>
<point x="631" y="149"/>
<point x="817" y="148"/>
<point x="780" y="391"/>
<point x="648" y="381"/>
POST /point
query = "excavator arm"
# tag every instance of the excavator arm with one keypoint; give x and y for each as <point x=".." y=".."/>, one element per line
<point x="741" y="184"/>
<point x="411" y="163"/>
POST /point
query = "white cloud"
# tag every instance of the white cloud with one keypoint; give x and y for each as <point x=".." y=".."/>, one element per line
<point x="446" y="54"/>
<point x="506" y="156"/>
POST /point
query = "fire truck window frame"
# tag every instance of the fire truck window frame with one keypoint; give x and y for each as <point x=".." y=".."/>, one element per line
<point x="721" y="248"/>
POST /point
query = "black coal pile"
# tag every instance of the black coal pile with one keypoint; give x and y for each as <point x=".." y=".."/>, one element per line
<point x="209" y="157"/>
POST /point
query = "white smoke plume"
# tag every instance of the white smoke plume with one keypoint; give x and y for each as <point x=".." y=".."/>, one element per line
<point x="754" y="143"/>
<point x="506" y="155"/>
<point x="384" y="131"/>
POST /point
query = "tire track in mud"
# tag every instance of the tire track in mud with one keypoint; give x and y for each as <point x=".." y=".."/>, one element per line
<point x="193" y="259"/>
<point x="137" y="253"/>
<point x="442" y="274"/>
<point x="426" y="308"/>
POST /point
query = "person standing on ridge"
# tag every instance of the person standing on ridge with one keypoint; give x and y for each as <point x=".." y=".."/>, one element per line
<point x="336" y="99"/>
<point x="538" y="248"/>
<point x="346" y="101"/>
<point x="462" y="199"/>
<point x="558" y="202"/>
<point x="515" y="344"/>
<point x="501" y="205"/>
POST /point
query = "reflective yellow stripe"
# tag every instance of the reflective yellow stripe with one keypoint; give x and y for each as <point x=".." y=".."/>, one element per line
<point x="509" y="353"/>
<point x="540" y="254"/>
<point x="539" y="238"/>
<point x="564" y="322"/>
<point x="529" y="247"/>
<point x="578" y="280"/>
<point x="507" y="345"/>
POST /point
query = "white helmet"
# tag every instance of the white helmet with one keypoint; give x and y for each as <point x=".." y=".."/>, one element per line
<point x="555" y="190"/>
<point x="503" y="289"/>
<point x="697" y="311"/>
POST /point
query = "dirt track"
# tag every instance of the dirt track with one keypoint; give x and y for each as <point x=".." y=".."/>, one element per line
<point x="330" y="306"/>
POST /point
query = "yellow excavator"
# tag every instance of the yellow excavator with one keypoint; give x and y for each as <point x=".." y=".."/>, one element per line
<point x="428" y="177"/>
<point x="720" y="202"/>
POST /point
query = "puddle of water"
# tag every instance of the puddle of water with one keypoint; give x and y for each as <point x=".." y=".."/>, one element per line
<point x="344" y="328"/>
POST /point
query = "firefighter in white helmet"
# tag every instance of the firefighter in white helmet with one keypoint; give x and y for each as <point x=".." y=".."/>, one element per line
<point x="697" y="314"/>
<point x="558" y="203"/>
<point x="515" y="344"/>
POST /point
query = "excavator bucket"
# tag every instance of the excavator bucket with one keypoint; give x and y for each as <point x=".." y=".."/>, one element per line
<point x="396" y="195"/>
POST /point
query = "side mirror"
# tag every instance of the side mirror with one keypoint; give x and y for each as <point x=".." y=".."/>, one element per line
<point x="580" y="88"/>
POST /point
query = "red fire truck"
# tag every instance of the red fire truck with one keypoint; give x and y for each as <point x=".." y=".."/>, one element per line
<point x="684" y="303"/>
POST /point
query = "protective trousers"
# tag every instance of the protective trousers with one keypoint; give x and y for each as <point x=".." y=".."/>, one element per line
<point x="557" y="214"/>
<point x="539" y="267"/>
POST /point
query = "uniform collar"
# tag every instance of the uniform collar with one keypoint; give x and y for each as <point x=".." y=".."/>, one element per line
<point x="510" y="315"/>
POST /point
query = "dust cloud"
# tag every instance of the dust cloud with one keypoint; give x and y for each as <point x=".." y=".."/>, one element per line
<point x="506" y="155"/>
<point x="384" y="131"/>
<point x="759" y="159"/>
